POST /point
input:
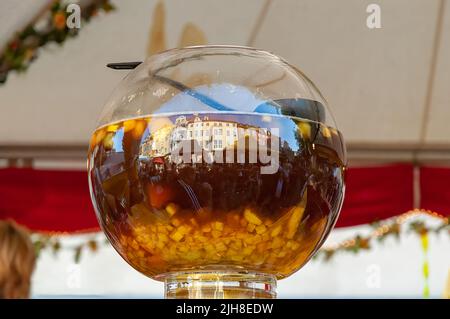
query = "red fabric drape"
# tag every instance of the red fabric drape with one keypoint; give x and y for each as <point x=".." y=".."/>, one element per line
<point x="59" y="201"/>
<point x="53" y="201"/>
<point x="375" y="193"/>
<point x="435" y="189"/>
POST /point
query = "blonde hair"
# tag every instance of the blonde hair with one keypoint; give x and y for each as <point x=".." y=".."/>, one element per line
<point x="17" y="259"/>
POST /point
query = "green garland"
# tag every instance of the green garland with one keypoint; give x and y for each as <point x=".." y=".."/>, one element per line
<point x="390" y="229"/>
<point x="23" y="48"/>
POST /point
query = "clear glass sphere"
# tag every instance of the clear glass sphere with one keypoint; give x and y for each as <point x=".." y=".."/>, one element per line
<point x="216" y="160"/>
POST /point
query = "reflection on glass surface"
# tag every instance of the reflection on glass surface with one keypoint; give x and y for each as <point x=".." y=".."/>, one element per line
<point x="216" y="178"/>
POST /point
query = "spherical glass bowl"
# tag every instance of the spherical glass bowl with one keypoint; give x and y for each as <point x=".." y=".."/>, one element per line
<point x="216" y="169"/>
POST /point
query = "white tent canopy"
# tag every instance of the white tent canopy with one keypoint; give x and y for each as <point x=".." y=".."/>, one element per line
<point x="388" y="87"/>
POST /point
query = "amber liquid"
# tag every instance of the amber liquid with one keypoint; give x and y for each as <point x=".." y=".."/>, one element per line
<point x="165" y="216"/>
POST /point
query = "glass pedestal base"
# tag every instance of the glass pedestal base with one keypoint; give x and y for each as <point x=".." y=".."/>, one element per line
<point x="219" y="285"/>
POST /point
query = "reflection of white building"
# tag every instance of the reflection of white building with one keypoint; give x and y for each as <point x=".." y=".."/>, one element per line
<point x="179" y="132"/>
<point x="210" y="135"/>
<point x="157" y="144"/>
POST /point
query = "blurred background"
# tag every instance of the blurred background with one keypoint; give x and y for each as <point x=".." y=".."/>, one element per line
<point x="384" y="67"/>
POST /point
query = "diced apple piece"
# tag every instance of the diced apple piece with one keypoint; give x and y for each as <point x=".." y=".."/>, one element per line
<point x="185" y="229"/>
<point x="251" y="217"/>
<point x="176" y="222"/>
<point x="216" y="234"/>
<point x="261" y="229"/>
<point x="176" y="236"/>
<point x="294" y="221"/>
<point x="172" y="209"/>
<point x="193" y="222"/>
<point x="206" y="229"/>
<point x="248" y="250"/>
<point x="276" y="243"/>
<point x="163" y="238"/>
<point x="250" y="227"/>
<point x="218" y="226"/>
<point x="221" y="247"/>
<point x="237" y="257"/>
<point x="276" y="231"/>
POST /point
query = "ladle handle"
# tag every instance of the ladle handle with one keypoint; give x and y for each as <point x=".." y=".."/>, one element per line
<point x="123" y="65"/>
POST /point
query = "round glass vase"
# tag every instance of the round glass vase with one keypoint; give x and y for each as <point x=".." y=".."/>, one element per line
<point x="217" y="170"/>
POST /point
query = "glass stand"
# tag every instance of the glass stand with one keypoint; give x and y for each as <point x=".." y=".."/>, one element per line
<point x="219" y="285"/>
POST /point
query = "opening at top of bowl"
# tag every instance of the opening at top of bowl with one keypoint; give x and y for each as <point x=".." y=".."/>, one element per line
<point x="216" y="78"/>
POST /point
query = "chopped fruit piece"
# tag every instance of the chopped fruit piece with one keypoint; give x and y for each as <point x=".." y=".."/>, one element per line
<point x="251" y="217"/>
<point x="172" y="209"/>
<point x="277" y="243"/>
<point x="295" y="246"/>
<point x="281" y="254"/>
<point x="326" y="131"/>
<point x="268" y="222"/>
<point x="159" y="195"/>
<point x="135" y="245"/>
<point x="251" y="227"/>
<point x="184" y="229"/>
<point x="305" y="129"/>
<point x="248" y="250"/>
<point x="193" y="222"/>
<point x="176" y="235"/>
<point x="192" y="255"/>
<point x="249" y="240"/>
<point x="176" y="222"/>
<point x="276" y="231"/>
<point x="221" y="247"/>
<point x="206" y="229"/>
<point x="218" y="226"/>
<point x="237" y="257"/>
<point x="260" y="229"/>
<point x="163" y="238"/>
<point x="294" y="221"/>
<point x="216" y="234"/>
